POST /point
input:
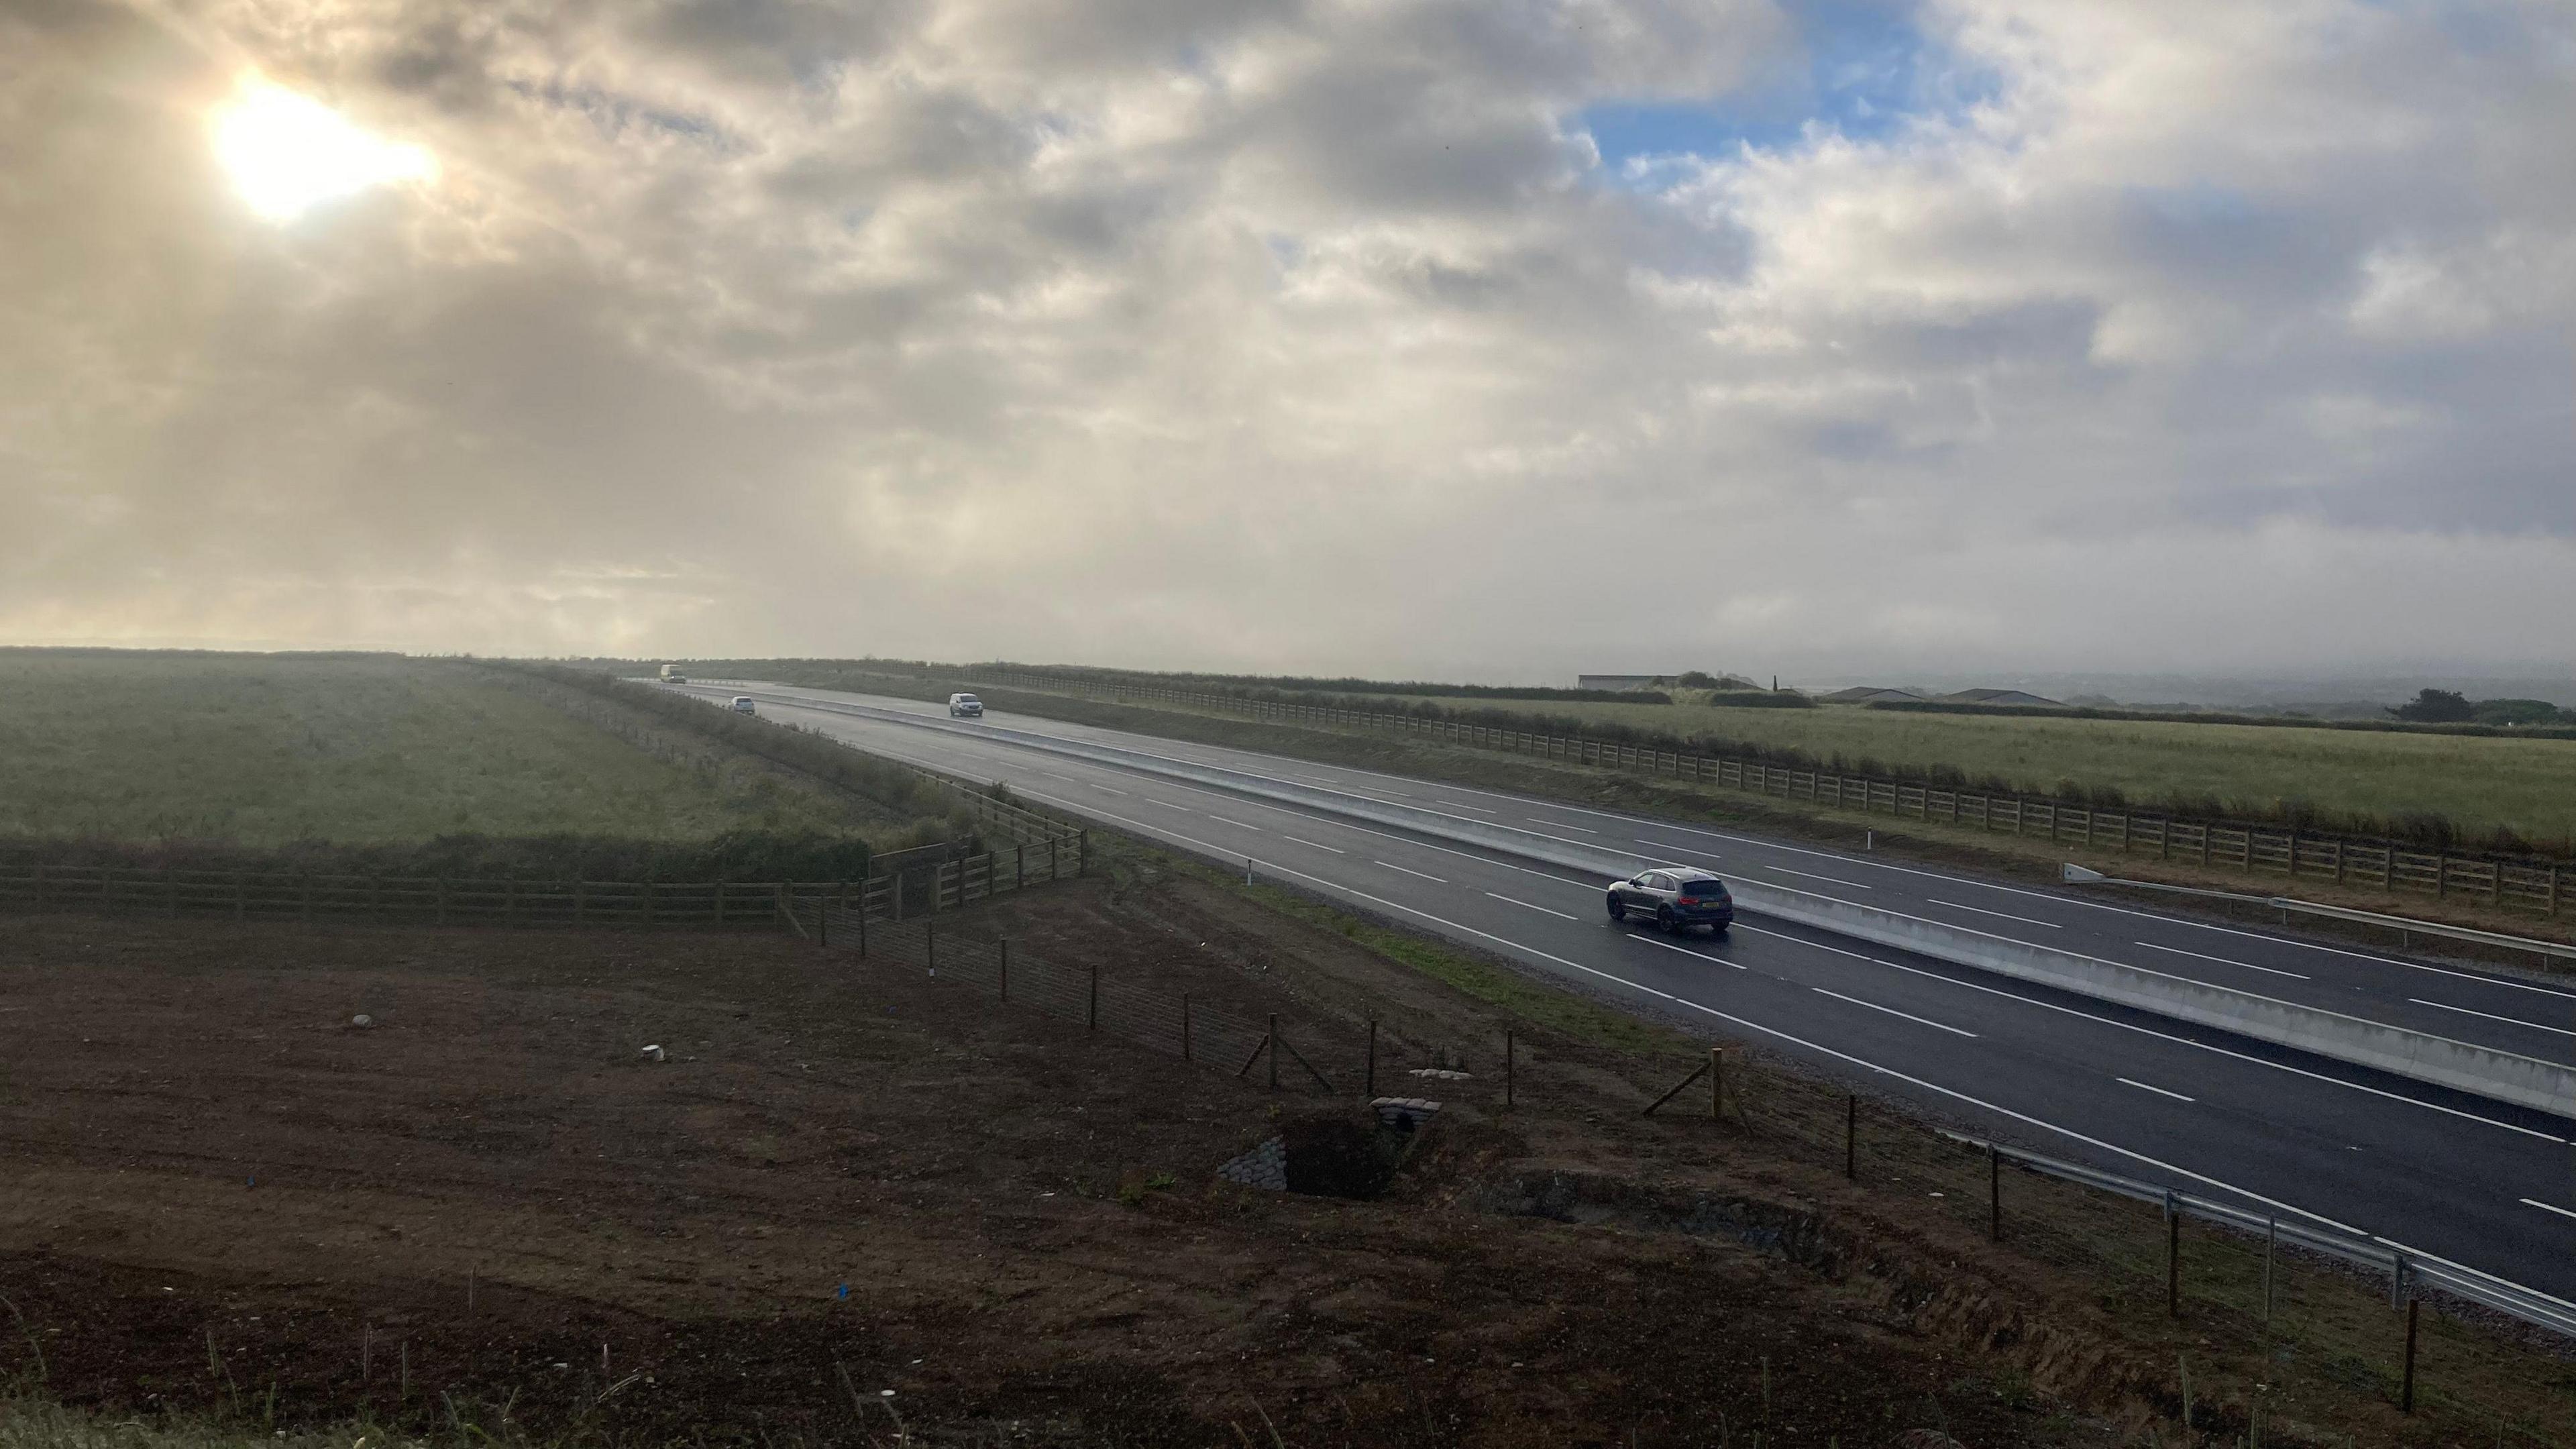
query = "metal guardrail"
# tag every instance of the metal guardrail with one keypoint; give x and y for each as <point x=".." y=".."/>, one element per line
<point x="2405" y="1267"/>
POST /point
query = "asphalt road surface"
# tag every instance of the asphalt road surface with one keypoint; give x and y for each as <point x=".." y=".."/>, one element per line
<point x="2439" y="1173"/>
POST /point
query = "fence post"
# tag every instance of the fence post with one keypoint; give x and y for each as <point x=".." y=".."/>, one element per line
<point x="1851" y="1138"/>
<point x="2271" y="1241"/>
<point x="2406" y="1395"/>
<point x="1507" y="1067"/>
<point x="930" y="947"/>
<point x="1371" y="1085"/>
<point x="1091" y="1013"/>
<point x="1020" y="865"/>
<point x="2173" y="1256"/>
<point x="863" y="920"/>
<point x="1006" y="968"/>
<point x="1994" y="1193"/>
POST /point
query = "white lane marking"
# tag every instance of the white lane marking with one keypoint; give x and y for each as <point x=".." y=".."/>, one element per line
<point x="1561" y="825"/>
<point x="1952" y="1093"/>
<point x="2548" y="1207"/>
<point x="1408" y="870"/>
<point x="1168" y="805"/>
<point x="2004" y="915"/>
<point x="1687" y="951"/>
<point x="1507" y="900"/>
<point x="1319" y="845"/>
<point x="2491" y="1016"/>
<point x="1892" y="1011"/>
<point x="2158" y="1035"/>
<point x="2159" y="1091"/>
<point x="1237" y="824"/>
<point x="1454" y="805"/>
<point x="2223" y="961"/>
<point x="1666" y="844"/>
<point x="1107" y="791"/>
<point x="1052" y="775"/>
<point x="1811" y="875"/>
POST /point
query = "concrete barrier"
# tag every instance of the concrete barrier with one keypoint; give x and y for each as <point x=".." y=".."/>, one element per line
<point x="2442" y="1061"/>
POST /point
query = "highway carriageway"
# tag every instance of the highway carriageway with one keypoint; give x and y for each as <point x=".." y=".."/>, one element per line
<point x="2438" y="1173"/>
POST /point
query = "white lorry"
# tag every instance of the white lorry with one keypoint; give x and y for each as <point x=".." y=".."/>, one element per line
<point x="671" y="675"/>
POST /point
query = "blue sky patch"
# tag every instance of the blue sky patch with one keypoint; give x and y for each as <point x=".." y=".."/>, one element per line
<point x="1862" y="68"/>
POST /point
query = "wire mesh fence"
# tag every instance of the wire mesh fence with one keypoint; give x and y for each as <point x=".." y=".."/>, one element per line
<point x="1175" y="1023"/>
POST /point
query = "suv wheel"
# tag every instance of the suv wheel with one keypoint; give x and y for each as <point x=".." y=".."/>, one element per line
<point x="1618" y="909"/>
<point x="1664" y="920"/>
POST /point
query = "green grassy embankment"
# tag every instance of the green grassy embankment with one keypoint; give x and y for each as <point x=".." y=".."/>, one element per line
<point x="270" y="749"/>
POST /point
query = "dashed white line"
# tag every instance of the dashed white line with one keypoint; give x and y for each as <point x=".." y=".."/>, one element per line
<point x="2491" y="1016"/>
<point x="2548" y="1207"/>
<point x="1168" y="805"/>
<point x="1811" y="875"/>
<point x="2223" y="961"/>
<point x="1105" y="790"/>
<point x="1408" y="870"/>
<point x="1237" y="824"/>
<point x="1524" y="905"/>
<point x="1892" y="1011"/>
<point x="2005" y="915"/>
<point x="2159" y="1091"/>
<point x="1315" y="844"/>
<point x="1454" y="805"/>
<point x="1559" y="824"/>
<point x="1667" y="845"/>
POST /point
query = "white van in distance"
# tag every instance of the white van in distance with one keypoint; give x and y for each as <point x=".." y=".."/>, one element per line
<point x="965" y="706"/>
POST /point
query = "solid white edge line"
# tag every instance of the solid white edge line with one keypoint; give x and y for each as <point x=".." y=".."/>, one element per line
<point x="1408" y="870"/>
<point x="2223" y="961"/>
<point x="1687" y="951"/>
<point x="2491" y="1016"/>
<point x="1892" y="1011"/>
<point x="1811" y="875"/>
<point x="2159" y="1091"/>
<point x="2163" y="1036"/>
<point x="2548" y="1207"/>
<point x="2000" y="915"/>
<point x="1525" y="905"/>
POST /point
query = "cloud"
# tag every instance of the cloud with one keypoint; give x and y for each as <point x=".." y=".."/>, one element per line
<point x="1307" y="335"/>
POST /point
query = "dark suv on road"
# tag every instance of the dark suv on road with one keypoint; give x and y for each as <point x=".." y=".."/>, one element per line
<point x="1674" y="897"/>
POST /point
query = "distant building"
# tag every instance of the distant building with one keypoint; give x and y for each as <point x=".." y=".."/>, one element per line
<point x="1994" y="696"/>
<point x="1619" y="681"/>
<point x="1866" y="694"/>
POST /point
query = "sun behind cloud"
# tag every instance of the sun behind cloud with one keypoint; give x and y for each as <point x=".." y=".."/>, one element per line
<point x="287" y="153"/>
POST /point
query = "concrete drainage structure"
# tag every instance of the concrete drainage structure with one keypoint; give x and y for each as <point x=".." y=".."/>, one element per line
<point x="1336" y="1154"/>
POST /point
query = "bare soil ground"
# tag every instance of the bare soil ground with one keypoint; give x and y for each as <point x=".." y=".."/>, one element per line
<point x="489" y="1208"/>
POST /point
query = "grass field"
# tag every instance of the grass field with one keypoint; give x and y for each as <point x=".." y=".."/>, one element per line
<point x="271" y="749"/>
<point x="2528" y="786"/>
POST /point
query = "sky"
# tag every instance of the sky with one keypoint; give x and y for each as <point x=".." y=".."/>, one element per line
<point x="1442" y="338"/>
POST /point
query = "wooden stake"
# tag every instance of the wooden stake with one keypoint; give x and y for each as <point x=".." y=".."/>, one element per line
<point x="2406" y="1395"/>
